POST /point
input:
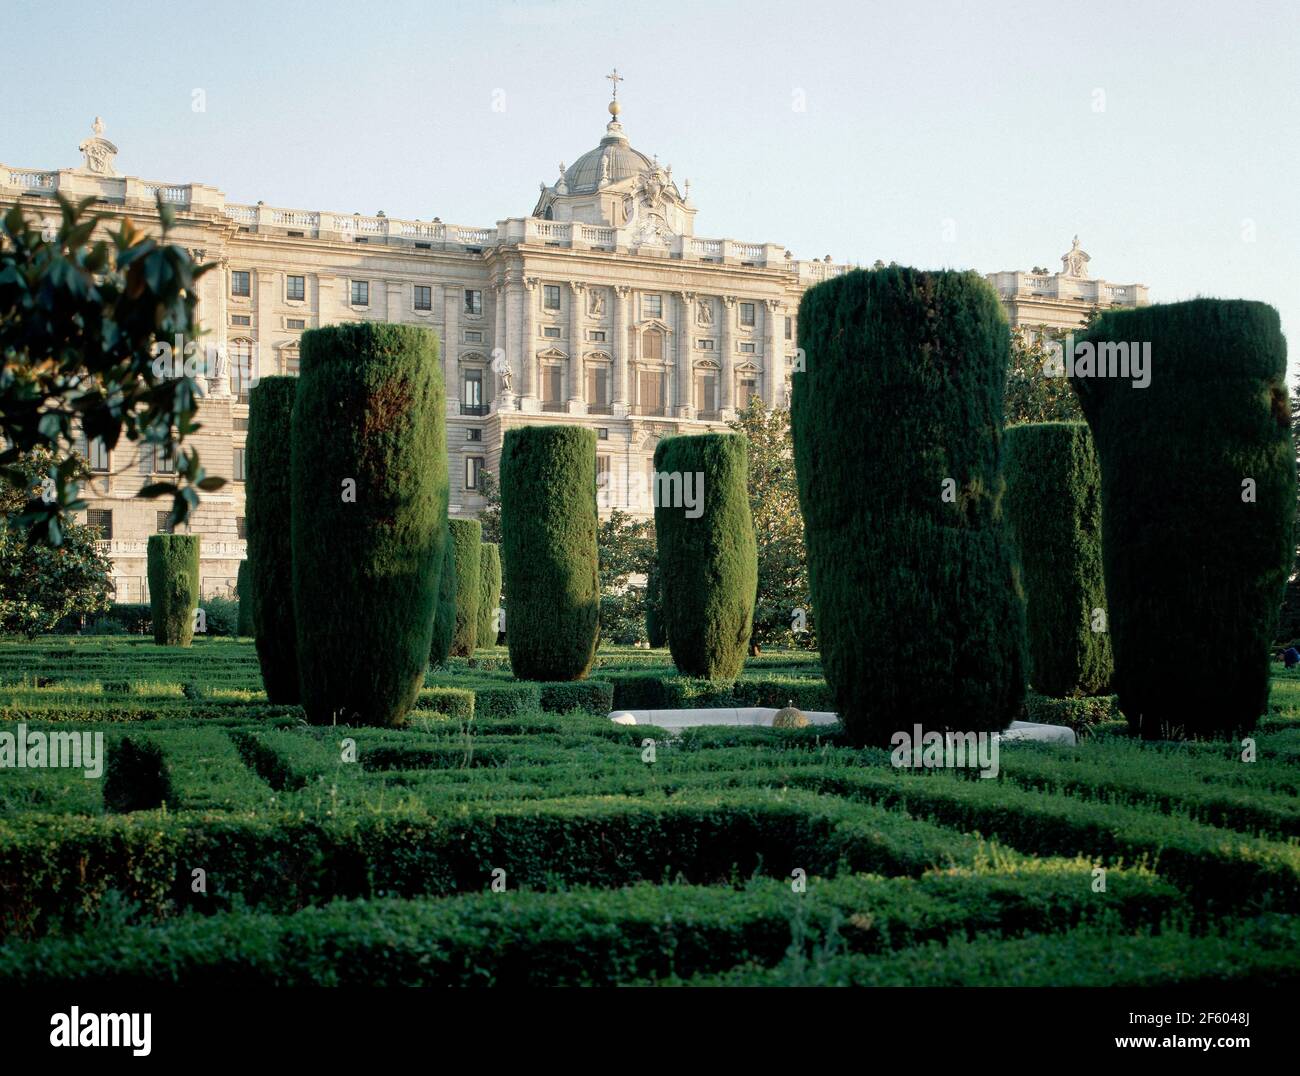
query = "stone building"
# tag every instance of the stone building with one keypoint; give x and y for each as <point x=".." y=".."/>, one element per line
<point x="601" y="307"/>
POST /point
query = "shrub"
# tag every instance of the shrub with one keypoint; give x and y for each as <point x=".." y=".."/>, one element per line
<point x="548" y="551"/>
<point x="1198" y="495"/>
<point x="1053" y="510"/>
<point x="173" y="587"/>
<point x="656" y="633"/>
<point x="467" y="537"/>
<point x="897" y="421"/>
<point x="707" y="555"/>
<point x="221" y="616"/>
<point x="591" y="696"/>
<point x="489" y="593"/>
<point x="136" y="777"/>
<point x="243" y="591"/>
<point x="267" y="504"/>
<point x="369" y="509"/>
<point x="444" y="613"/>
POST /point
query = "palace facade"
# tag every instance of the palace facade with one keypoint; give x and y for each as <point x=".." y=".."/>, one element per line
<point x="601" y="307"/>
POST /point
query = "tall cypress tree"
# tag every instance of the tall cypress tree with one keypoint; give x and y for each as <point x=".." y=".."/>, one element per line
<point x="369" y="510"/>
<point x="1198" y="506"/>
<point x="467" y="537"/>
<point x="267" y="508"/>
<point x="548" y="550"/>
<point x="707" y="553"/>
<point x="173" y="570"/>
<point x="489" y="593"/>
<point x="897" y="419"/>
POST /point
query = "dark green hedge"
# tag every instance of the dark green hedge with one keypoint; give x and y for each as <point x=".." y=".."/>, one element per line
<point x="369" y="410"/>
<point x="548" y="550"/>
<point x="656" y="691"/>
<point x="656" y="632"/>
<point x="444" y="611"/>
<point x="1195" y="571"/>
<point x="897" y="424"/>
<point x="173" y="567"/>
<point x="707" y="553"/>
<point x="243" y="592"/>
<point x="267" y="507"/>
<point x="1053" y="509"/>
<point x="467" y="537"/>
<point x="489" y="593"/>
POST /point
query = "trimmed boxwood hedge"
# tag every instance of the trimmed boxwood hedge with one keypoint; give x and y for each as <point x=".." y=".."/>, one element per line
<point x="548" y="550"/>
<point x="369" y="414"/>
<point x="467" y="537"/>
<point x="173" y="568"/>
<point x="1053" y="509"/>
<point x="489" y="593"/>
<point x="708" y="562"/>
<point x="267" y="507"/>
<point x="1198" y="487"/>
<point x="444" y="610"/>
<point x="897" y="420"/>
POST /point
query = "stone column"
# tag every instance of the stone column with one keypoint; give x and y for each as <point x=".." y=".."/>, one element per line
<point x="773" y="353"/>
<point x="500" y="357"/>
<point x="530" y="400"/>
<point x="393" y="301"/>
<point x="685" y="319"/>
<point x="453" y="296"/>
<point x="577" y="399"/>
<point x="262" y="361"/>
<point x="726" y="361"/>
<point x="618" y="347"/>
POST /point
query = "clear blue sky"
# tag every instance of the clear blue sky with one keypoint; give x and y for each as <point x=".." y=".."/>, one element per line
<point x="917" y="114"/>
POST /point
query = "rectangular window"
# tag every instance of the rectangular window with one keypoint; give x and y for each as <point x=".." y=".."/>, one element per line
<point x="473" y="434"/>
<point x="598" y="386"/>
<point x="473" y="468"/>
<point x="473" y="336"/>
<point x="746" y="348"/>
<point x="596" y="336"/>
<point x="748" y="389"/>
<point x="241" y="371"/>
<point x="704" y="345"/>
<point x="295" y="288"/>
<point x="652" y="346"/>
<point x="102" y="520"/>
<point x="789" y="328"/>
<point x="602" y="433"/>
<point x="98" y="456"/>
<point x="239" y="464"/>
<point x="239" y="422"/>
<point x="241" y="528"/>
<point x="473" y="301"/>
<point x="550" y="296"/>
<point x="602" y="472"/>
<point x="241" y="283"/>
<point x="295" y="323"/>
<point x="651" y="385"/>
<point x="240" y="319"/>
<point x="154" y="459"/>
<point x="552" y="332"/>
<point x="473" y="389"/>
<point x="652" y="306"/>
<point x="163" y="524"/>
<point x="360" y="293"/>
<point x="291" y="363"/>
<point x="423" y="297"/>
<point x="706" y="393"/>
<point x="747" y="313"/>
<point x="552" y="386"/>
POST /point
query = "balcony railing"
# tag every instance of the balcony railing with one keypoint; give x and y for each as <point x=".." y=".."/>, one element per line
<point x="709" y="416"/>
<point x="650" y="409"/>
<point x="477" y="410"/>
<point x="556" y="406"/>
<point x="599" y="409"/>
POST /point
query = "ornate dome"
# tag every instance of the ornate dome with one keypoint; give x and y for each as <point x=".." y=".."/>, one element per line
<point x="613" y="160"/>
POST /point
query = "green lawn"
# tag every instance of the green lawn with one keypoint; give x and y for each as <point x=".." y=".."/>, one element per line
<point x="736" y="855"/>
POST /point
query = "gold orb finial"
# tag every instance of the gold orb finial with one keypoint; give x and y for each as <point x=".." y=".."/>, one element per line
<point x="615" y="108"/>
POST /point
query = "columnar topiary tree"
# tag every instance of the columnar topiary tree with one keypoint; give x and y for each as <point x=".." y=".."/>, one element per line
<point x="548" y="550"/>
<point x="467" y="536"/>
<point x="707" y="553"/>
<point x="269" y="595"/>
<point x="369" y="509"/>
<point x="489" y="593"/>
<point x="444" y="609"/>
<point x="656" y="633"/>
<point x="173" y="568"/>
<point x="244" y="595"/>
<point x="897" y="412"/>
<point x="1198" y="505"/>
<point x="1053" y="508"/>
